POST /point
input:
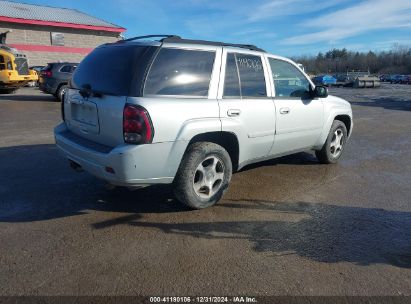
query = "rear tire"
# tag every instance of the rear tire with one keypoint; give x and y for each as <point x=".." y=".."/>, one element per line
<point x="333" y="147"/>
<point x="7" y="91"/>
<point x="203" y="176"/>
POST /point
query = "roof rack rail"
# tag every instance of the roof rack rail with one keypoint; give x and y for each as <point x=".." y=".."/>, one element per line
<point x="245" y="46"/>
<point x="178" y="39"/>
<point x="151" y="36"/>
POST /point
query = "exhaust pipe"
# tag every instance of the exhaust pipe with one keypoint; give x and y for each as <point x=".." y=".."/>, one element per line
<point x="75" y="166"/>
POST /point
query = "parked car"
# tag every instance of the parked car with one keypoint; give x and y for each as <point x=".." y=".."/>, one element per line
<point x="395" y="78"/>
<point x="408" y="80"/>
<point x="385" y="78"/>
<point x="398" y="79"/>
<point x="326" y="80"/>
<point x="403" y="79"/>
<point x="36" y="68"/>
<point x="191" y="113"/>
<point x="55" y="77"/>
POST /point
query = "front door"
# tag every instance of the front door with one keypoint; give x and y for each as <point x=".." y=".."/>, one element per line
<point x="299" y="116"/>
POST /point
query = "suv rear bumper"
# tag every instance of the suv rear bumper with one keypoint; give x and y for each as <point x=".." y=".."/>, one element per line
<point x="47" y="88"/>
<point x="133" y="165"/>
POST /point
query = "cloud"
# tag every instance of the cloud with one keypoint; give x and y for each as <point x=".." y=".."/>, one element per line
<point x="286" y="27"/>
<point x="282" y="8"/>
<point x="358" y="19"/>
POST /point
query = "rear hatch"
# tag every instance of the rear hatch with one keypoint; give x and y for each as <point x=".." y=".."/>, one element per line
<point x="45" y="73"/>
<point x="93" y="107"/>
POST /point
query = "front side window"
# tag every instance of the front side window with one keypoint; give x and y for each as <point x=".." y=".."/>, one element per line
<point x="180" y="72"/>
<point x="288" y="80"/>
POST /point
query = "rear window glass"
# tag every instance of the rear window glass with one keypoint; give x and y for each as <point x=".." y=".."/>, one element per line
<point x="180" y="72"/>
<point x="252" y="78"/>
<point x="108" y="70"/>
<point x="48" y="67"/>
<point x="65" y="69"/>
<point x="231" y="82"/>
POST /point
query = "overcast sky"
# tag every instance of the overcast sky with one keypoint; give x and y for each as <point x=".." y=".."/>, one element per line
<point x="284" y="27"/>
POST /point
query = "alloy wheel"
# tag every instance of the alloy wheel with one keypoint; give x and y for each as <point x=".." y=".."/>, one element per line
<point x="337" y="143"/>
<point x="208" y="177"/>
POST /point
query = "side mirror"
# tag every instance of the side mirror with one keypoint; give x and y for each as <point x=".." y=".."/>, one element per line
<point x="320" y="92"/>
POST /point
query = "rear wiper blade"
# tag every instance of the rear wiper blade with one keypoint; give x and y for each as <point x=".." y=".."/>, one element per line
<point x="87" y="91"/>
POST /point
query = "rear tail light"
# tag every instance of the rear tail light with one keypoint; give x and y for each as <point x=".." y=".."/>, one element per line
<point x="47" y="73"/>
<point x="137" y="126"/>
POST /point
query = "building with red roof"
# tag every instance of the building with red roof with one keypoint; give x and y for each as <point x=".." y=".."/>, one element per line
<point x="49" y="34"/>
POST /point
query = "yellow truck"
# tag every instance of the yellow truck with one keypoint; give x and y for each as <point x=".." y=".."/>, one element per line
<point x="14" y="69"/>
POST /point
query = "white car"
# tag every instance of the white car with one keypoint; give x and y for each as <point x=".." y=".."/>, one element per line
<point x="191" y="113"/>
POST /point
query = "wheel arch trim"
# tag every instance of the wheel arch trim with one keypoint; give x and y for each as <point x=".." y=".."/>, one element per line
<point x="327" y="125"/>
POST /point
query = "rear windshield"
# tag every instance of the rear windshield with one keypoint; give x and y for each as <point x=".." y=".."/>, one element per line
<point x="109" y="70"/>
<point x="48" y="67"/>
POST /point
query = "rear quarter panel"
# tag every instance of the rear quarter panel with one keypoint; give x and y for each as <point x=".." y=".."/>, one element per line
<point x="176" y="121"/>
<point x="180" y="118"/>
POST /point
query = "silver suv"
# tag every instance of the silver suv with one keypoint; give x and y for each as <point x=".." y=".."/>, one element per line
<point x="187" y="112"/>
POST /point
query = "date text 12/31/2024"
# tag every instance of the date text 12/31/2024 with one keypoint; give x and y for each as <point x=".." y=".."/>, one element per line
<point x="238" y="299"/>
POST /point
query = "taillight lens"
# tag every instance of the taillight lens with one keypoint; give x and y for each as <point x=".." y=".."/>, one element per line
<point x="47" y="73"/>
<point x="137" y="126"/>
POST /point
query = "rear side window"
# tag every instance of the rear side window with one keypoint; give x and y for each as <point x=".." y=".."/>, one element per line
<point x="180" y="72"/>
<point x="66" y="69"/>
<point x="244" y="76"/>
<point x="111" y="70"/>
<point x="231" y="82"/>
<point x="252" y="78"/>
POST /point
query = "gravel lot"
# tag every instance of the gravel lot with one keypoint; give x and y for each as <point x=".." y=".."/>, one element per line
<point x="289" y="226"/>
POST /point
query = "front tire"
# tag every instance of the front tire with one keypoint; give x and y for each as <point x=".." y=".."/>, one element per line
<point x="203" y="176"/>
<point x="333" y="147"/>
<point x="61" y="91"/>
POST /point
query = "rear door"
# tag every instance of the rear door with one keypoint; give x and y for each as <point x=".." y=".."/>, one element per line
<point x="66" y="72"/>
<point x="245" y="106"/>
<point x="299" y="116"/>
<point x="100" y="86"/>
